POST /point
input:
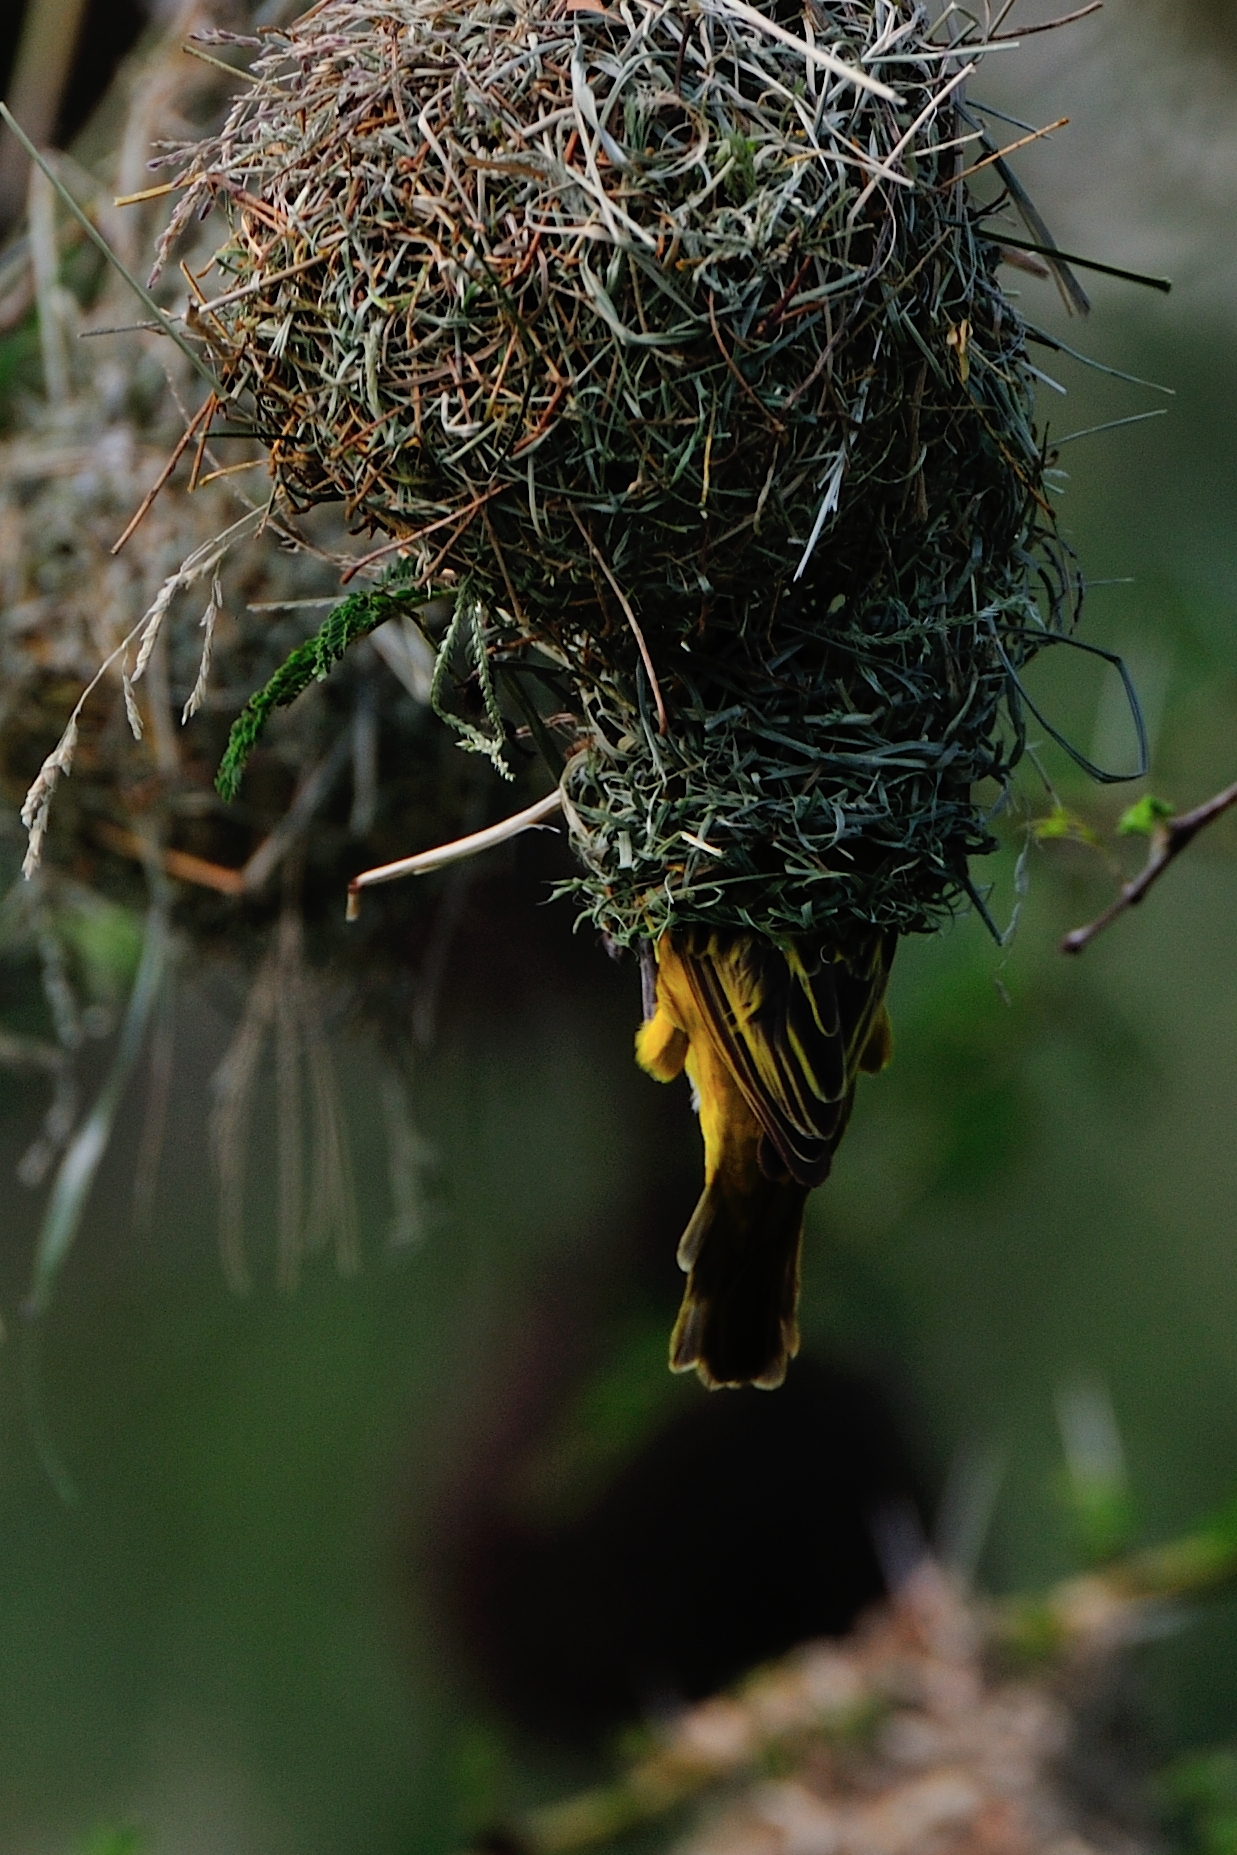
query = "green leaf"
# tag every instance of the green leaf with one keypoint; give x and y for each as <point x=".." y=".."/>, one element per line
<point x="114" y="1842"/>
<point x="741" y="181"/>
<point x="1200" y="1791"/>
<point x="1096" y="1490"/>
<point x="1060" y="823"/>
<point x="468" y="622"/>
<point x="106" y="939"/>
<point x="1101" y="1514"/>
<point x="483" y="1777"/>
<point x="1142" y="817"/>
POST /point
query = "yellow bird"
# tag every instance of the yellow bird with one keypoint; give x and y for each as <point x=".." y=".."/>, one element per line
<point x="772" y="1039"/>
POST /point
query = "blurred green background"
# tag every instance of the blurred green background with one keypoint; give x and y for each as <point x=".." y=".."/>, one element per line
<point x="235" y="1640"/>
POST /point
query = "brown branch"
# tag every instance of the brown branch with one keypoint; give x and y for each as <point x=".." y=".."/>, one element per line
<point x="420" y="534"/>
<point x="179" y="864"/>
<point x="205" y="412"/>
<point x="1168" y="840"/>
<point x="1045" y="25"/>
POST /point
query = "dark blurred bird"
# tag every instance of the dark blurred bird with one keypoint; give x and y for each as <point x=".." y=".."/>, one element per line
<point x="772" y="1038"/>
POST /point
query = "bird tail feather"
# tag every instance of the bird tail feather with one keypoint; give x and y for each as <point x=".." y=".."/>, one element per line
<point x="737" y="1323"/>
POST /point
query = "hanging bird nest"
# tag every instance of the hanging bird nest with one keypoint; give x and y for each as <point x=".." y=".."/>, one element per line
<point x="667" y="337"/>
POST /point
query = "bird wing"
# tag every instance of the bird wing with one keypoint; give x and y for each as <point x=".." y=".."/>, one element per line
<point x="794" y="1025"/>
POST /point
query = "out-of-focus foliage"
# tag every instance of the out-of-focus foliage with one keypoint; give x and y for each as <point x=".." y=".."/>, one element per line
<point x="114" y="1842"/>
<point x="1200" y="1793"/>
<point x="1209" y="27"/>
<point x="938" y="1717"/>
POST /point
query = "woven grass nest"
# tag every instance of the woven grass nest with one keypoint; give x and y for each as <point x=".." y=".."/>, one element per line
<point x="666" y="335"/>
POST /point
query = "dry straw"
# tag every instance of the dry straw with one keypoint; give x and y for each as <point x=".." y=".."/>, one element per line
<point x="667" y="336"/>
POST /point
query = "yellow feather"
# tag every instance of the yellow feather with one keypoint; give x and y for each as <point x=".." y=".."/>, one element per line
<point x="770" y="1117"/>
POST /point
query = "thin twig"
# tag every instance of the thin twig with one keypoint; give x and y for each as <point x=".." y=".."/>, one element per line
<point x="120" y="328"/>
<point x="1055" y="255"/>
<point x="812" y="54"/>
<point x="231" y="470"/>
<point x="147" y="193"/>
<point x="96" y="238"/>
<point x="908" y="135"/>
<point x="1047" y="25"/>
<point x="1168" y="840"/>
<point x="263" y="282"/>
<point x="232" y="70"/>
<point x="1009" y="149"/>
<point x="731" y="365"/>
<point x="195" y="472"/>
<point x="399" y="541"/>
<point x="470" y="846"/>
<point x="181" y="865"/>
<point x="663" y="725"/>
<point x="204" y="412"/>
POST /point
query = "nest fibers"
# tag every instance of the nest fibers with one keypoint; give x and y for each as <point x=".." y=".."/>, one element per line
<point x="668" y="336"/>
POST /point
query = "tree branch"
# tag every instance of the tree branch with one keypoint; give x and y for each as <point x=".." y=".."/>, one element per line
<point x="1168" y="839"/>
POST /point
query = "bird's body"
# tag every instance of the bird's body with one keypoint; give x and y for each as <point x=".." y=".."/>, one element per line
<point x="772" y="1039"/>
